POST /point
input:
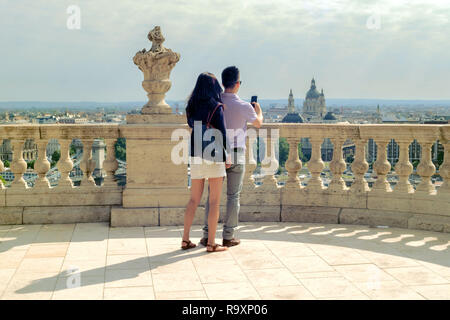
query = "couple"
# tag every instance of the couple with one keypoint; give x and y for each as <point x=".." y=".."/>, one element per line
<point x="210" y="107"/>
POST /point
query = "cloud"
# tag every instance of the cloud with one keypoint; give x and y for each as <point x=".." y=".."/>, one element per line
<point x="277" y="45"/>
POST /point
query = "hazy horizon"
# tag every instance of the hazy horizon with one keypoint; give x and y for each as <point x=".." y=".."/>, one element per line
<point x="354" y="49"/>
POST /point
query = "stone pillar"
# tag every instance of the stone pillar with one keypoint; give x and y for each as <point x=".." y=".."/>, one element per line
<point x="293" y="164"/>
<point x="18" y="165"/>
<point x="404" y="168"/>
<point x="156" y="192"/>
<point x="250" y="166"/>
<point x="65" y="164"/>
<point x="42" y="165"/>
<point x="87" y="164"/>
<point x="315" y="165"/>
<point x="2" y="167"/>
<point x="382" y="167"/>
<point x="426" y="168"/>
<point x="444" y="170"/>
<point x="270" y="164"/>
<point x="110" y="164"/>
<point x="337" y="166"/>
<point x="359" y="167"/>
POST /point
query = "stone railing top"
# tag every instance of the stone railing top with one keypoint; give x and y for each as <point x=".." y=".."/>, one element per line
<point x="399" y="132"/>
<point x="61" y="131"/>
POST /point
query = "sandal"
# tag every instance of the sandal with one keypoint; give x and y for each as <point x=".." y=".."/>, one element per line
<point x="215" y="248"/>
<point x="189" y="245"/>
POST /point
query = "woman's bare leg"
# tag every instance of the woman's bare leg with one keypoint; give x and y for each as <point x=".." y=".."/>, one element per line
<point x="196" y="195"/>
<point x="215" y="191"/>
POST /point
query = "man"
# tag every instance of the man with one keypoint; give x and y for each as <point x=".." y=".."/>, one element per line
<point x="237" y="113"/>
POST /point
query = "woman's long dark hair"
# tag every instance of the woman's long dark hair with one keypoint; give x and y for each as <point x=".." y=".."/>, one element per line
<point x="206" y="93"/>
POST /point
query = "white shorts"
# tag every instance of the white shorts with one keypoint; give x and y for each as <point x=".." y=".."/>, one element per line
<point x="204" y="169"/>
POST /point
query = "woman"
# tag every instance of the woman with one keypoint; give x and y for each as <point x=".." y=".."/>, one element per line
<point x="205" y="109"/>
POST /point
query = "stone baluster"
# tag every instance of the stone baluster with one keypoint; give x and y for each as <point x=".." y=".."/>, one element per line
<point x="426" y="168"/>
<point x="87" y="164"/>
<point x="337" y="166"/>
<point x="250" y="166"/>
<point x="2" y="168"/>
<point x="110" y="163"/>
<point x="444" y="170"/>
<point x="42" y="165"/>
<point x="293" y="164"/>
<point x="315" y="165"/>
<point x="270" y="163"/>
<point x="18" y="165"/>
<point x="403" y="168"/>
<point x="65" y="164"/>
<point x="382" y="167"/>
<point x="359" y="167"/>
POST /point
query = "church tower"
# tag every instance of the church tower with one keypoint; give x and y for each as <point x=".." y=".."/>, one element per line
<point x="291" y="106"/>
<point x="292" y="116"/>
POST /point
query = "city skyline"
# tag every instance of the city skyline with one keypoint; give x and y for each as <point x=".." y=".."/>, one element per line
<point x="354" y="50"/>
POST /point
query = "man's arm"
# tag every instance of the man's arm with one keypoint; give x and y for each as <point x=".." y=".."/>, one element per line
<point x="259" y="116"/>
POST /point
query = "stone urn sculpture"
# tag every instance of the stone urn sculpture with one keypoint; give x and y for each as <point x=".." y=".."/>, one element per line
<point x="156" y="64"/>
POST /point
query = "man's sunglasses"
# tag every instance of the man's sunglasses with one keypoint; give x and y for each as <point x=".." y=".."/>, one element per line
<point x="240" y="82"/>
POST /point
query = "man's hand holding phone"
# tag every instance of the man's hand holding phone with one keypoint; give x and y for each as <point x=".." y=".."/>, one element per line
<point x="254" y="102"/>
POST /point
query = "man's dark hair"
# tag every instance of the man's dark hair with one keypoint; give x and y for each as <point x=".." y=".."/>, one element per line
<point x="230" y="76"/>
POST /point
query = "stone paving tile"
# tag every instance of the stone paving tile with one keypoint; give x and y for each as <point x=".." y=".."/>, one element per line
<point x="350" y="297"/>
<point x="223" y="271"/>
<point x="130" y="261"/>
<point x="181" y="281"/>
<point x="416" y="276"/>
<point x="340" y="256"/>
<point x="434" y="292"/>
<point x="127" y="278"/>
<point x="389" y="258"/>
<point x="5" y="276"/>
<point x="388" y="290"/>
<point x="182" y="295"/>
<point x="11" y="259"/>
<point x="323" y="274"/>
<point x="306" y="264"/>
<point x="127" y="246"/>
<point x="89" y="268"/>
<point x="47" y="251"/>
<point x="90" y="288"/>
<point x="40" y="265"/>
<point x="30" y="286"/>
<point x="88" y="251"/>
<point x="231" y="291"/>
<point x="271" y="277"/>
<point x="172" y="266"/>
<point x="330" y="287"/>
<point x="363" y="273"/>
<point x="289" y="249"/>
<point x="129" y="293"/>
<point x="296" y="292"/>
<point x="442" y="270"/>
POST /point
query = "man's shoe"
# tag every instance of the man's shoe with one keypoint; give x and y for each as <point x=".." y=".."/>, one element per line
<point x="204" y="241"/>
<point x="231" y="242"/>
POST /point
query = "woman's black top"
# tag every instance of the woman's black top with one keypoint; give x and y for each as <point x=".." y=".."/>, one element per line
<point x="202" y="113"/>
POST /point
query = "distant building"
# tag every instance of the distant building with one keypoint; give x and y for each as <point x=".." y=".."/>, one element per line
<point x="314" y="104"/>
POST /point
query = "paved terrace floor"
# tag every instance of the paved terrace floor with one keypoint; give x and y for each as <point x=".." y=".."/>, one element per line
<point x="274" y="261"/>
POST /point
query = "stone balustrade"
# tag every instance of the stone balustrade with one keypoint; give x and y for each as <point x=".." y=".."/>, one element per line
<point x="157" y="189"/>
<point x="64" y="203"/>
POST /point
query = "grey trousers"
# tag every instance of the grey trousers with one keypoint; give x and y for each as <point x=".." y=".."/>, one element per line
<point x="235" y="178"/>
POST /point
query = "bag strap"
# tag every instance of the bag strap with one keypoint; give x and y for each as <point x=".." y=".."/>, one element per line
<point x="211" y="115"/>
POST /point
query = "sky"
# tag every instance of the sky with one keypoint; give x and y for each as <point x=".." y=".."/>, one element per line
<point x="353" y="48"/>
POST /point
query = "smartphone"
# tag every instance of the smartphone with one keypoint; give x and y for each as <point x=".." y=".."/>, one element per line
<point x="254" y="99"/>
